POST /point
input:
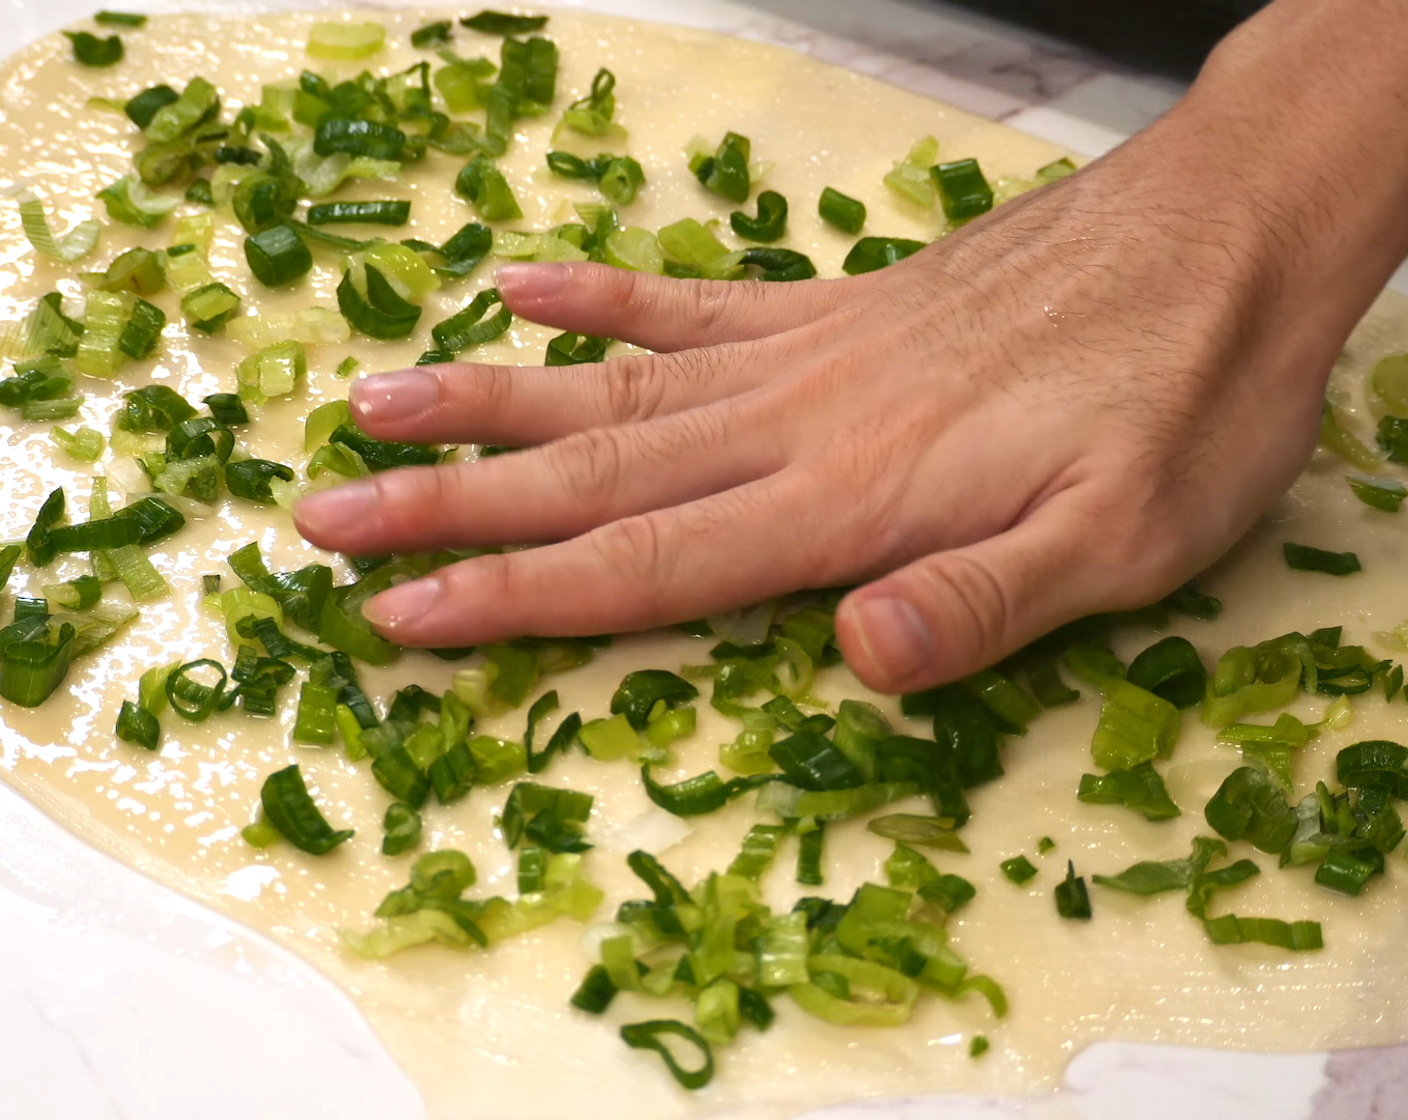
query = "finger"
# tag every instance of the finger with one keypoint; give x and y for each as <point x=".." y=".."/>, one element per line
<point x="543" y="494"/>
<point x="954" y="612"/>
<point x="524" y="406"/>
<point x="660" y="313"/>
<point x="657" y="568"/>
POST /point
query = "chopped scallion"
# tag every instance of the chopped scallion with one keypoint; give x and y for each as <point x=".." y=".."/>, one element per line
<point x="1072" y="899"/>
<point x="345" y="42"/>
<point x="870" y="254"/>
<point x="845" y="213"/>
<point x="1018" y="870"/>
<point x="499" y="23"/>
<point x="290" y="809"/>
<point x="92" y="51"/>
<point x="1305" y="558"/>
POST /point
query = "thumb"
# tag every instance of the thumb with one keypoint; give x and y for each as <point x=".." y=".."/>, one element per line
<point x="660" y="313"/>
<point x="952" y="613"/>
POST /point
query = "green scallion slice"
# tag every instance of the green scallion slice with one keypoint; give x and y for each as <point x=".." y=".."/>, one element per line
<point x="870" y="254"/>
<point x="39" y="544"/>
<point x="316" y="721"/>
<point x="277" y="256"/>
<point x="143" y="107"/>
<point x="595" y="993"/>
<point x="1344" y="873"/>
<point x="639" y="693"/>
<point x="143" y="329"/>
<point x="648" y="1036"/>
<point x="9" y="557"/>
<point x="200" y="192"/>
<point x="209" y="307"/>
<point x="528" y="71"/>
<point x="129" y="201"/>
<point x="139" y="726"/>
<point x="1171" y="669"/>
<point x="759" y="850"/>
<point x="574" y="350"/>
<point x="1140" y="788"/>
<point x="402" y="827"/>
<point x="704" y="793"/>
<point x="1392" y="436"/>
<point x="845" y="213"/>
<point x="359" y="138"/>
<point x="768" y="226"/>
<point x="137" y="270"/>
<point x="1249" y="805"/>
<point x="431" y="35"/>
<point x="274" y="371"/>
<point x="925" y="832"/>
<point x="290" y="809"/>
<point x="1305" y="558"/>
<point x="261" y="834"/>
<point x="391" y="212"/>
<point x="191" y="698"/>
<point x="1192" y="602"/>
<point x="1299" y="937"/>
<point x="963" y="190"/>
<point x="226" y="409"/>
<point x="778" y="265"/>
<point x="490" y="22"/>
<point x="95" y="536"/>
<point x="73" y="246"/>
<point x="484" y="185"/>
<point x="1386" y="494"/>
<point x="473" y="326"/>
<point x="1072" y="899"/>
<point x="85" y="444"/>
<point x="809" y="851"/>
<point x="120" y="19"/>
<point x="198" y="103"/>
<point x="92" y="51"/>
<point x="380" y="312"/>
<point x="252" y="479"/>
<point x="153" y="408"/>
<point x="726" y="171"/>
<point x="1018" y="870"/>
<point x="345" y="42"/>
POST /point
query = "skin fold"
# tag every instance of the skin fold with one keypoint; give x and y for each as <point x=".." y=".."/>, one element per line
<point x="1070" y="405"/>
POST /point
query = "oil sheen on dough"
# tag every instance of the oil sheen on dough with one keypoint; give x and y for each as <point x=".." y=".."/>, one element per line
<point x="491" y="1035"/>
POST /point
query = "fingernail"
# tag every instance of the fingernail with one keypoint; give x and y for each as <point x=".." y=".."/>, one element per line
<point x="894" y="636"/>
<point x="395" y="396"/>
<point x="333" y="509"/>
<point x="402" y="605"/>
<point x="531" y="283"/>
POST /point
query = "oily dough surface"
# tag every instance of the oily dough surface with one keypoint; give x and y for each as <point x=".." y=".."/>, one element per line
<point x="491" y="1034"/>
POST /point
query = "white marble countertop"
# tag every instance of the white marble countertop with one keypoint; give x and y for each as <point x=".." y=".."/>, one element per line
<point x="102" y="965"/>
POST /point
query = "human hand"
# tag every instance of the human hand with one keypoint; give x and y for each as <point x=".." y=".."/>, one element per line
<point x="1069" y="406"/>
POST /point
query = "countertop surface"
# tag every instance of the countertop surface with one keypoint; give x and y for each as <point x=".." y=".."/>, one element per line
<point x="120" y="1000"/>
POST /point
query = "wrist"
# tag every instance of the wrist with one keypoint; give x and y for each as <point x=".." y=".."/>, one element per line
<point x="1306" y="105"/>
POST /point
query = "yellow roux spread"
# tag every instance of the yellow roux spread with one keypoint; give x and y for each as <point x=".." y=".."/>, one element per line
<point x="493" y="1032"/>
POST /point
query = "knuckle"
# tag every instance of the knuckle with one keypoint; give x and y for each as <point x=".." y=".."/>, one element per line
<point x="480" y="391"/>
<point x="420" y="501"/>
<point x="1143" y="560"/>
<point x="588" y="463"/>
<point x="715" y="304"/>
<point x="635" y="389"/>
<point x="626" y="289"/>
<point x="485" y="584"/>
<point x="632" y="551"/>
<point x="981" y="606"/>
